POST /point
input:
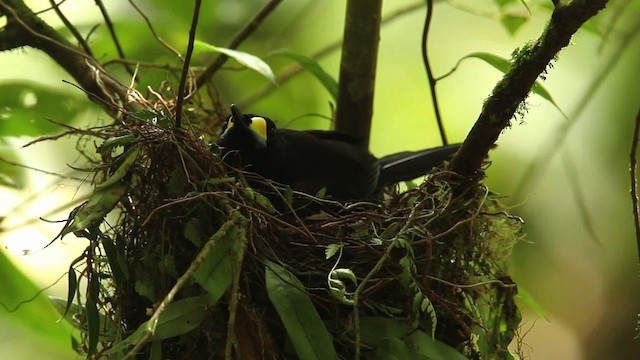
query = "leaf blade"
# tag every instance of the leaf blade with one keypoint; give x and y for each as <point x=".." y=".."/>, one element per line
<point x="307" y="332"/>
<point x="248" y="60"/>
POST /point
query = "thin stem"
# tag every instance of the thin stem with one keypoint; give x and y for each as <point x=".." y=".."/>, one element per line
<point x="185" y="67"/>
<point x="242" y="35"/>
<point x="633" y="172"/>
<point x="112" y="32"/>
<point x="374" y="270"/>
<point x="427" y="66"/>
<point x="76" y="34"/>
<point x="153" y="31"/>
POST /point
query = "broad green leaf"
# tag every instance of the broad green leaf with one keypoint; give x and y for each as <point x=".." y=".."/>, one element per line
<point x="503" y="65"/>
<point x="28" y="315"/>
<point x="178" y="318"/>
<point x="315" y="69"/>
<point x="104" y="197"/>
<point x="215" y="274"/>
<point x="512" y="23"/>
<point x="250" y="61"/>
<point x="383" y="334"/>
<point x="24" y="106"/>
<point x="307" y="332"/>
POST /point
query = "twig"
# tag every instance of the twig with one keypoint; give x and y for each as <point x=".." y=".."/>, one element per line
<point x="30" y="30"/>
<point x="112" y="32"/>
<point x="427" y="66"/>
<point x="633" y="172"/>
<point x="8" y="162"/>
<point x="76" y="34"/>
<point x="187" y="60"/>
<point x="374" y="270"/>
<point x="235" y="293"/>
<point x="236" y="41"/>
<point x="531" y="61"/>
<point x="153" y="31"/>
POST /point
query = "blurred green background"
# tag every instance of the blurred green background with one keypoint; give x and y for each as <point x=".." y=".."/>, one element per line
<point x="567" y="177"/>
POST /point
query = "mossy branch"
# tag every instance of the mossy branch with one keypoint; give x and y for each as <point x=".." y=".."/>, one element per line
<point x="529" y="63"/>
<point x="358" y="68"/>
<point x="25" y="28"/>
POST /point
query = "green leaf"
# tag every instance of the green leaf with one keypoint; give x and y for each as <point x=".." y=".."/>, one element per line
<point x="250" y="61"/>
<point x="116" y="262"/>
<point x="72" y="285"/>
<point x="130" y="158"/>
<point x="331" y="250"/>
<point x="307" y="332"/>
<point x="504" y="65"/>
<point x="71" y="291"/>
<point x="178" y="318"/>
<point x="101" y="202"/>
<point x="193" y="232"/>
<point x="259" y="199"/>
<point x="215" y="274"/>
<point x="529" y="300"/>
<point x="93" y="316"/>
<point x="338" y="288"/>
<point x="315" y="69"/>
<point x="114" y="142"/>
<point x="512" y="23"/>
<point x="104" y="197"/>
<point x="24" y="106"/>
<point x="390" y="337"/>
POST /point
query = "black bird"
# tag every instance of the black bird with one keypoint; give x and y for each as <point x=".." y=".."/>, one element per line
<point x="314" y="159"/>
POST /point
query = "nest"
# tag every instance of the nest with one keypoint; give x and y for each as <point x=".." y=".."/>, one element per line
<point x="227" y="265"/>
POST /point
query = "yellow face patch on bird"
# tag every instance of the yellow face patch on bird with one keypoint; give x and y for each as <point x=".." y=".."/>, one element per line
<point x="259" y="126"/>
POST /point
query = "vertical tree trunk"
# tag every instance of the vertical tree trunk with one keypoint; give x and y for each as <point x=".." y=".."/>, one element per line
<point x="358" y="68"/>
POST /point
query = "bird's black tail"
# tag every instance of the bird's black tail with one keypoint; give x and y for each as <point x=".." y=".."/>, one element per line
<point x="409" y="165"/>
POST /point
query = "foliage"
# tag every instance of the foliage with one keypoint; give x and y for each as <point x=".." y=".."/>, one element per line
<point x="189" y="241"/>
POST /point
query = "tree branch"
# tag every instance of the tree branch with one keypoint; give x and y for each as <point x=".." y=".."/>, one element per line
<point x="358" y="68"/>
<point x="236" y="41"/>
<point x="430" y="77"/>
<point x="29" y="30"/>
<point x="529" y="63"/>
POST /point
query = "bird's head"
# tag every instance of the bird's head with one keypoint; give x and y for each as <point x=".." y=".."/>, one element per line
<point x="246" y="131"/>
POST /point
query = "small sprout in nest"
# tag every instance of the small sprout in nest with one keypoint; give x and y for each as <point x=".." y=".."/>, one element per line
<point x="192" y="260"/>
